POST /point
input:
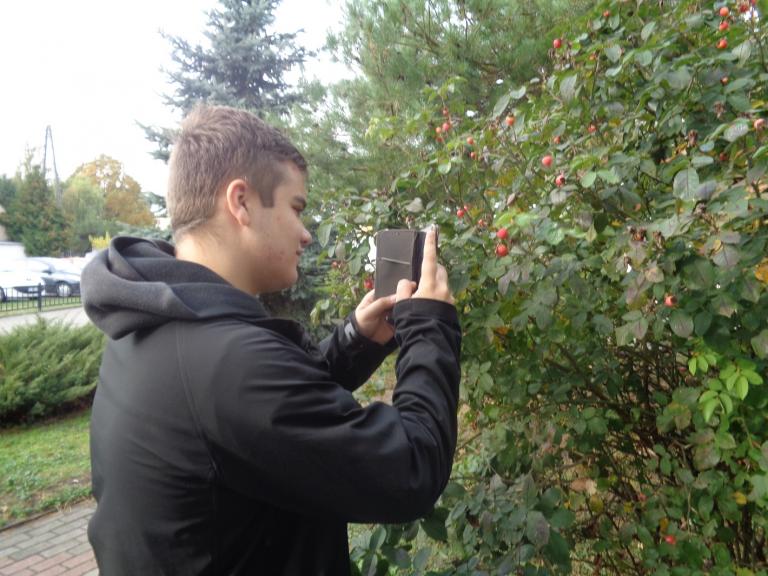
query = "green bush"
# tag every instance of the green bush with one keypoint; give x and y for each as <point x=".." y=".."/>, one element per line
<point x="47" y="368"/>
<point x="606" y="231"/>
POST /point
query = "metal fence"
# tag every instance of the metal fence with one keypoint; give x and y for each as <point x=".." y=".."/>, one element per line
<point x="31" y="298"/>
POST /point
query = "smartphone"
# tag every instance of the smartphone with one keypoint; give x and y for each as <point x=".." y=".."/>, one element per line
<point x="398" y="255"/>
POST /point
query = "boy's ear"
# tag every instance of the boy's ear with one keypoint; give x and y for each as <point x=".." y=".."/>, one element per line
<point x="238" y="200"/>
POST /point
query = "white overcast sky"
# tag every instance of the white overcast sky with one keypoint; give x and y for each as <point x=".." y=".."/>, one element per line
<point x="91" y="68"/>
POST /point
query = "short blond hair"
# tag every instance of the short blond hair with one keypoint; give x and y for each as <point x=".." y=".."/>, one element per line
<point x="218" y="144"/>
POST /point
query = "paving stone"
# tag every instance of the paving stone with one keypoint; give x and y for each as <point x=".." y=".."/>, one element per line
<point x="53" y="545"/>
<point x="50" y="562"/>
<point x="16" y="567"/>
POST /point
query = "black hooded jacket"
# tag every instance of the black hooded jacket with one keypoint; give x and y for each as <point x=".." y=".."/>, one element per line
<point x="224" y="442"/>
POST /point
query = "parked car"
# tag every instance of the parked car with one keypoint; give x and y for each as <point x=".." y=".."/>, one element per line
<point x="59" y="280"/>
<point x="17" y="283"/>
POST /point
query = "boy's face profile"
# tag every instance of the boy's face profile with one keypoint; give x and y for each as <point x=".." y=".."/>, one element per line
<point x="278" y="234"/>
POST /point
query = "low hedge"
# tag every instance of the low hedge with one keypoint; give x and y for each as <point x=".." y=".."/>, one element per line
<point x="47" y="368"/>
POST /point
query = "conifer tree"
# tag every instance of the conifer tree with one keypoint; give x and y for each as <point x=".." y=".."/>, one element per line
<point x="34" y="219"/>
<point x="243" y="65"/>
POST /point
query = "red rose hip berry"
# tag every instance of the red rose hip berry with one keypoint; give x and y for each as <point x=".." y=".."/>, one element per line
<point x="501" y="250"/>
<point x="502" y="233"/>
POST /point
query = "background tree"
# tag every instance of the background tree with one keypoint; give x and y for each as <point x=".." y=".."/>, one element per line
<point x="34" y="219"/>
<point x="123" y="201"/>
<point x="83" y="206"/>
<point x="242" y="65"/>
<point x="8" y="189"/>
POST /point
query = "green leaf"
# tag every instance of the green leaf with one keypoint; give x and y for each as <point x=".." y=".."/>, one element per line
<point x="759" y="487"/>
<point x="561" y="519"/>
<point x="700" y="161"/>
<point x="434" y="527"/>
<point x="588" y="179"/>
<point x="609" y="176"/>
<point x="501" y="105"/>
<point x="743" y="51"/>
<point x="555" y="235"/>
<point x="648" y="30"/>
<point x="739" y="84"/>
<point x="705" y="456"/>
<point x="355" y="264"/>
<point x="613" y="52"/>
<point x="568" y="87"/>
<point x="760" y="344"/>
<point x="727" y="403"/>
<point x="519" y="93"/>
<point x="680" y="78"/>
<point x="736" y="130"/>
<point x="415" y="206"/>
<point x="699" y="275"/>
<point x="752" y="377"/>
<point x="741" y="387"/>
<point x="692" y="366"/>
<point x="421" y="559"/>
<point x="644" y="58"/>
<point x="557" y="550"/>
<point x="701" y="322"/>
<point x="537" y="529"/>
<point x="377" y="538"/>
<point x="681" y="324"/>
<point x="444" y="167"/>
<point x="727" y="256"/>
<point x="686" y="184"/>
<point x="324" y="233"/>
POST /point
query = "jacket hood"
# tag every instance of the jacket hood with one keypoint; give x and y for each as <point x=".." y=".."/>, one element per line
<point x="139" y="283"/>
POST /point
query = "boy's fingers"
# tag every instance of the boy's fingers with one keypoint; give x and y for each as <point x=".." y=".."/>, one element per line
<point x="379" y="306"/>
<point x="368" y="298"/>
<point x="404" y="290"/>
<point x="429" y="263"/>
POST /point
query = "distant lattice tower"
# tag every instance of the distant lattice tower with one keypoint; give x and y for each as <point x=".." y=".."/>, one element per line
<point x="56" y="181"/>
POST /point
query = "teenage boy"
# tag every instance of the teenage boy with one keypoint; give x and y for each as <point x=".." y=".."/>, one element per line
<point x="222" y="440"/>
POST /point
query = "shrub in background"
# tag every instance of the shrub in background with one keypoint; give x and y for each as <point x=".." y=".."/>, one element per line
<point x="47" y="368"/>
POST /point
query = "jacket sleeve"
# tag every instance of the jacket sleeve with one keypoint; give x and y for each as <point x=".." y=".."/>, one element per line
<point x="281" y="430"/>
<point x="353" y="358"/>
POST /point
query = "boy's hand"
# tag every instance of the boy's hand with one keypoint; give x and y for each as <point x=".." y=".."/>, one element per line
<point x="434" y="277"/>
<point x="371" y="316"/>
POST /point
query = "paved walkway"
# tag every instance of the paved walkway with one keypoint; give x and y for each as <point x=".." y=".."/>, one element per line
<point x="73" y="316"/>
<point x="53" y="545"/>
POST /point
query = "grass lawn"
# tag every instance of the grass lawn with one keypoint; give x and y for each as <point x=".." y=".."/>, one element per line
<point x="43" y="466"/>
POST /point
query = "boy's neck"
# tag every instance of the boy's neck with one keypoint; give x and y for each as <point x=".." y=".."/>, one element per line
<point x="209" y="254"/>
